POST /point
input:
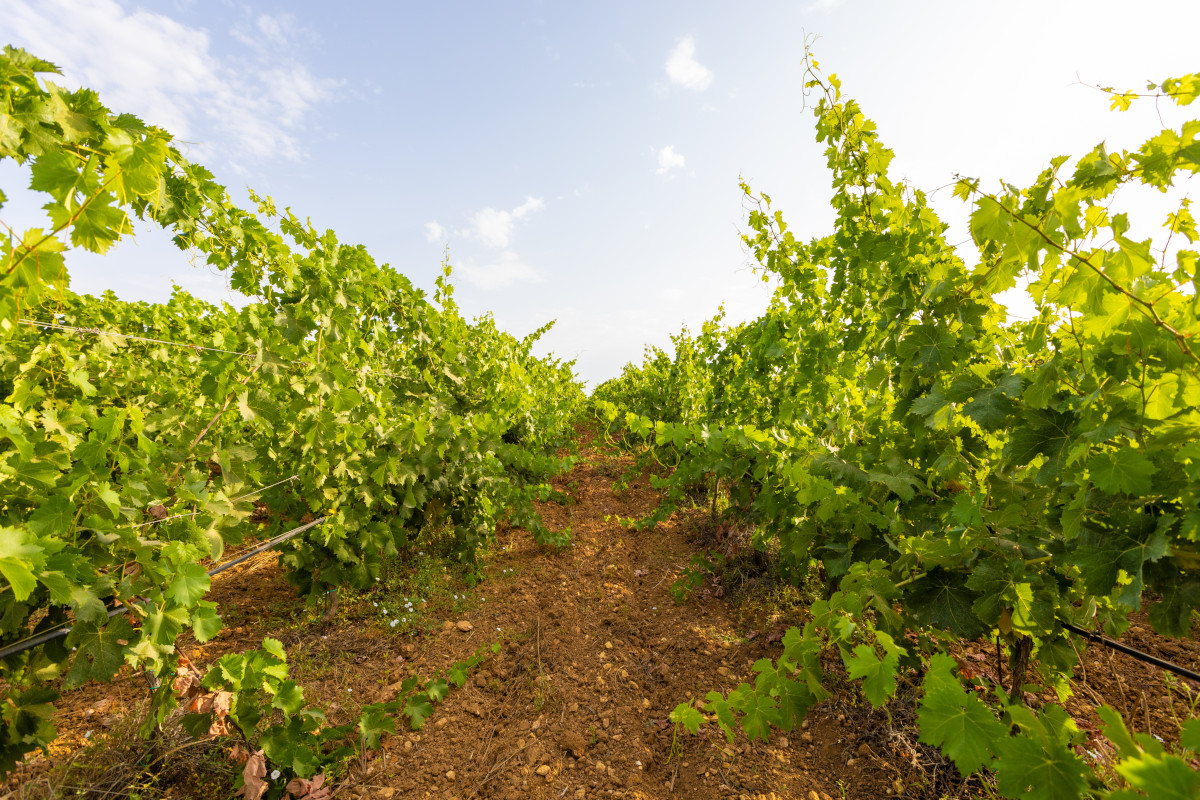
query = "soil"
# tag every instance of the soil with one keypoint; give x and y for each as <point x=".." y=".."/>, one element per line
<point x="595" y="654"/>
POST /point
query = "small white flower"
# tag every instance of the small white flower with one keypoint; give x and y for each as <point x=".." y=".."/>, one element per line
<point x="375" y="604"/>
<point x="274" y="774"/>
<point x="394" y="622"/>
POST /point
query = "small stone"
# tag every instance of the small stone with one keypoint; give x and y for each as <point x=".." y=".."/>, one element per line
<point x="543" y="770"/>
<point x="450" y="775"/>
<point x="600" y="766"/>
<point x="608" y="645"/>
<point x="407" y="746"/>
<point x="441" y="723"/>
<point x="783" y="743"/>
<point x="806" y="737"/>
<point x="580" y="794"/>
<point x="464" y="626"/>
<point x="812" y="795"/>
<point x="645" y="704"/>
<point x="447" y="626"/>
<point x="387" y="792"/>
<point x="850" y="762"/>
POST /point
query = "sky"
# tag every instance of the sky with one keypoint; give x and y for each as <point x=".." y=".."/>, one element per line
<point x="579" y="161"/>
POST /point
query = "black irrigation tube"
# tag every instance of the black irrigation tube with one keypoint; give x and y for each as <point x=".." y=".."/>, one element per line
<point x="1129" y="651"/>
<point x="42" y="638"/>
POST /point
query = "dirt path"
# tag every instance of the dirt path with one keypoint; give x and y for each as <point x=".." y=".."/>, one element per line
<point x="595" y="654"/>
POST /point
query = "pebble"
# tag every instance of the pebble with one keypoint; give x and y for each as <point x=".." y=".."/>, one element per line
<point x="450" y="775"/>
<point x="543" y="770"/>
<point x="464" y="626"/>
<point x="806" y="737"/>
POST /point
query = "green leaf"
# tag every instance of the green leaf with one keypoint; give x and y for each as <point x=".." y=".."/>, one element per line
<point x="686" y="715"/>
<point x="373" y="724"/>
<point x="190" y="584"/>
<point x="942" y="601"/>
<point x="100" y="650"/>
<point x="1126" y="470"/>
<point x="1042" y="769"/>
<point x="1189" y="735"/>
<point x="418" y="708"/>
<point x="959" y="723"/>
<point x="878" y="674"/>
<point x="289" y="698"/>
<point x="18" y="557"/>
<point x="725" y="718"/>
<point x="205" y="623"/>
<point x="436" y="690"/>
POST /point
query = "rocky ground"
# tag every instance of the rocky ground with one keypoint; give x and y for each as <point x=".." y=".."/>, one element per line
<point x="595" y="653"/>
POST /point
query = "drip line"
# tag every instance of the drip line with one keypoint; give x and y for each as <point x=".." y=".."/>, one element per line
<point x="1129" y="651"/>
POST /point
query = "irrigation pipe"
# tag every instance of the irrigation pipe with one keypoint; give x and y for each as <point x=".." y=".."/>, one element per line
<point x="1129" y="651"/>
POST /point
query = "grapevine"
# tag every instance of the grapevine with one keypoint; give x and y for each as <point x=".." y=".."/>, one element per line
<point x="948" y="474"/>
<point x="132" y="435"/>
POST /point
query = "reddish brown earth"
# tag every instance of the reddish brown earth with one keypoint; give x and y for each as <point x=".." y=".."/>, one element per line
<point x="595" y="655"/>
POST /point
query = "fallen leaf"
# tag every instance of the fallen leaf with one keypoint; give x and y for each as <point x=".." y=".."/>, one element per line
<point x="303" y="789"/>
<point x="253" y="785"/>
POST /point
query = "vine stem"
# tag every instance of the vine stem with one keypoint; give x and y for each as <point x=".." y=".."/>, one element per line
<point x="1148" y="307"/>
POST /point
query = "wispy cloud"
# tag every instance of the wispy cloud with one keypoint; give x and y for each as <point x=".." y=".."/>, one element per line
<point x="434" y="232"/>
<point x="684" y="70"/>
<point x="668" y="160"/>
<point x="165" y="72"/>
<point x="495" y="228"/>
<point x="509" y="269"/>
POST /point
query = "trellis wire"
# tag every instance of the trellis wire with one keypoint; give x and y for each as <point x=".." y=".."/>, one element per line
<point x="232" y="500"/>
<point x="101" y="332"/>
<point x="59" y="632"/>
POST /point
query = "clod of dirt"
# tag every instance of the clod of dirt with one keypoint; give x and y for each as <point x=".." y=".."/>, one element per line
<point x="464" y="626"/>
<point x="574" y="743"/>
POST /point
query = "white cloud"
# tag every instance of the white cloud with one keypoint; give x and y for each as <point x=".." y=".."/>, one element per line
<point x="499" y="274"/>
<point x="530" y="204"/>
<point x="684" y="70"/>
<point x="434" y="232"/>
<point x="494" y="228"/>
<point x="165" y="72"/>
<point x="668" y="160"/>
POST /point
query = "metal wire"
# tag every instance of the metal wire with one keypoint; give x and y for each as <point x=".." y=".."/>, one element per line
<point x="59" y="631"/>
<point x="102" y="332"/>
<point x="194" y="513"/>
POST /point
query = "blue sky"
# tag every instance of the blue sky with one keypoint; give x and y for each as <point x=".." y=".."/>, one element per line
<point x="580" y="160"/>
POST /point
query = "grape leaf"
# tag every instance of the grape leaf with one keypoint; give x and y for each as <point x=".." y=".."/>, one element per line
<point x="959" y="723"/>
<point x="101" y="650"/>
<point x="1127" y="470"/>
<point x="418" y="708"/>
<point x="1039" y="769"/>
